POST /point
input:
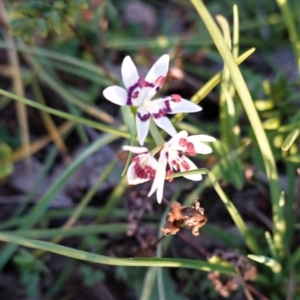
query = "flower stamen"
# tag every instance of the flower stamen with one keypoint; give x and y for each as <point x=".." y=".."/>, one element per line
<point x="190" y="149"/>
<point x="185" y="165"/>
<point x="175" y="98"/>
<point x="142" y="82"/>
<point x="160" y="81"/>
<point x="135" y="95"/>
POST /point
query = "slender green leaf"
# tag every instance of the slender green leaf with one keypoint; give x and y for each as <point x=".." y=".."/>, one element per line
<point x="248" y="105"/>
<point x="67" y="116"/>
<point x="67" y="232"/>
<point x="107" y="260"/>
<point x="290" y="139"/>
<point x="40" y="208"/>
<point x="212" y="83"/>
<point x="268" y="261"/>
<point x="236" y="217"/>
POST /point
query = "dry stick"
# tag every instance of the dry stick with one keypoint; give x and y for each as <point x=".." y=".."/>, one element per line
<point x="71" y="221"/>
<point x="256" y="292"/>
<point x="245" y="288"/>
<point x="205" y="253"/>
<point x="88" y="48"/>
<point x="49" y="123"/>
<point x="192" y="244"/>
<point x="18" y="88"/>
<point x="41" y="143"/>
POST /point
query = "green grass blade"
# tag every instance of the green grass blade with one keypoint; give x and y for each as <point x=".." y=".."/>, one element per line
<point x="271" y="245"/>
<point x="148" y="284"/>
<point x="249" y="108"/>
<point x="62" y="91"/>
<point x="113" y="199"/>
<point x="212" y="83"/>
<point x="93" y="124"/>
<point x="236" y="217"/>
<point x="274" y="265"/>
<point x="279" y="235"/>
<point x="294" y="260"/>
<point x="74" y="231"/>
<point x="40" y="208"/>
<point x="290" y="202"/>
<point x="226" y="118"/>
<point x="289" y="20"/>
<point x="107" y="260"/>
<point x="62" y="58"/>
<point x="290" y="139"/>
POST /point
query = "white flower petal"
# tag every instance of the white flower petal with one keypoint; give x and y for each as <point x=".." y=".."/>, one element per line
<point x="155" y="105"/>
<point x="200" y="147"/>
<point x="134" y="149"/>
<point x="115" y="94"/>
<point x="159" y="179"/>
<point x="160" y="187"/>
<point x="142" y="124"/>
<point x="160" y="68"/>
<point x="152" y="162"/>
<point x="165" y="124"/>
<point x="195" y="177"/>
<point x="130" y="74"/>
<point x="184" y="106"/>
<point x="201" y="138"/>
<point x="174" y="141"/>
<point x="132" y="179"/>
<point x="182" y="134"/>
<point x="146" y="94"/>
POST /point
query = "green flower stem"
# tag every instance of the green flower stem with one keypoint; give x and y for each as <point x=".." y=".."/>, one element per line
<point x="113" y="200"/>
<point x="157" y="137"/>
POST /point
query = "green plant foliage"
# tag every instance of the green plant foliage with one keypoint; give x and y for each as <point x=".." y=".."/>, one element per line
<point x="91" y="276"/>
<point x="45" y="16"/>
<point x="6" y="166"/>
<point x="255" y="158"/>
<point x="30" y="271"/>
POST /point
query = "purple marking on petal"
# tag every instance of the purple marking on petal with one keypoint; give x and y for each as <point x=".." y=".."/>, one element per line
<point x="142" y="82"/>
<point x="160" y="81"/>
<point x="168" y="107"/>
<point x="143" y="172"/>
<point x="176" y="98"/>
<point x="149" y="84"/>
<point x="162" y="111"/>
<point x="144" y="117"/>
<point x="135" y="95"/>
<point x="131" y="91"/>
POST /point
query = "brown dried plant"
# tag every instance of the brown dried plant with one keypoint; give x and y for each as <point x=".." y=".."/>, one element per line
<point x="225" y="284"/>
<point x="192" y="217"/>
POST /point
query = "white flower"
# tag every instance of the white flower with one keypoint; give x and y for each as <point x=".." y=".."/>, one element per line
<point x="143" y="166"/>
<point x="172" y="155"/>
<point x="139" y="92"/>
